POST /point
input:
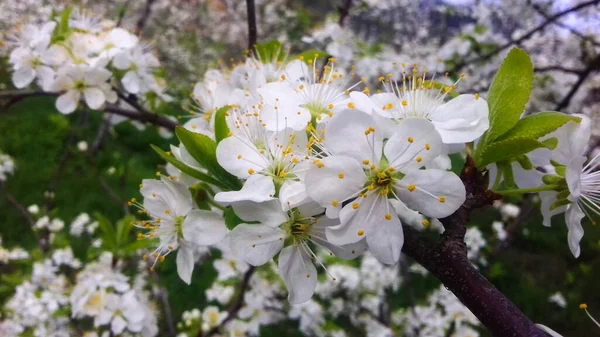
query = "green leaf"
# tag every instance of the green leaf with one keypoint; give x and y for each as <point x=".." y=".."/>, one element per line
<point x="186" y="169"/>
<point x="221" y="129"/>
<point x="231" y="219"/>
<point x="508" y="149"/>
<point x="270" y="51"/>
<point x="124" y="227"/>
<point x="108" y="231"/>
<point x="310" y="54"/>
<point x="200" y="196"/>
<point x="507" y="97"/>
<point x="538" y="125"/>
<point x="204" y="150"/>
<point x="505" y="169"/>
<point x="62" y="30"/>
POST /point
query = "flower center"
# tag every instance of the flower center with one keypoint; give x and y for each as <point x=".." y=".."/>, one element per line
<point x="316" y="109"/>
<point x="179" y="226"/>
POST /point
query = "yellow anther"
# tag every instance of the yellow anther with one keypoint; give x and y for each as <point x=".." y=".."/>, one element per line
<point x="370" y="187"/>
<point x="253" y="245"/>
<point x="330" y="106"/>
<point x="385" y="191"/>
<point x="162" y="258"/>
<point x="389" y="106"/>
<point x="307" y="275"/>
<point x="419" y="159"/>
<point x="169" y="247"/>
<point x="341" y="175"/>
<point x="145" y="257"/>
<point x="283" y="77"/>
<point x="355" y="205"/>
<point x="167" y="211"/>
<point x="334" y="203"/>
<point x="301" y="86"/>
<point x="425" y="223"/>
<point x="391" y="169"/>
<point x="388" y="216"/>
<point x="427" y="147"/>
<point x="295" y="160"/>
<point x="351" y="105"/>
<point x="583" y="306"/>
<point x="320" y="165"/>
<point x="476" y="96"/>
<point x="151" y="269"/>
<point x="411" y="187"/>
<point x="442" y="199"/>
<point x="282" y="174"/>
<point x="360" y="232"/>
<point x="250" y="171"/>
<point x="365" y="162"/>
<point x="381" y="79"/>
<point x="239" y="156"/>
<point x="410" y="139"/>
<point x="404" y="102"/>
<point x="134" y="200"/>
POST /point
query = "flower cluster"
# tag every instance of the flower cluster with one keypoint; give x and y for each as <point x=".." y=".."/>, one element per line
<point x="320" y="164"/>
<point x="79" y="56"/>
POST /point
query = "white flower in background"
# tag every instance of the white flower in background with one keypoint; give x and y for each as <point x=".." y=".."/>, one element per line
<point x="366" y="183"/>
<point x="558" y="299"/>
<point x="78" y="225"/>
<point x="176" y="223"/>
<point x="7" y="166"/>
<point x="16" y="253"/>
<point x="220" y="293"/>
<point x="212" y="317"/>
<point x="498" y="227"/>
<point x="82" y="146"/>
<point x="32" y="36"/>
<point x="33" y="209"/>
<point x="460" y="120"/>
<point x="259" y="243"/>
<point x="139" y="63"/>
<point x="29" y="64"/>
<point x="474" y="241"/>
<point x="90" y="82"/>
<point x="121" y="312"/>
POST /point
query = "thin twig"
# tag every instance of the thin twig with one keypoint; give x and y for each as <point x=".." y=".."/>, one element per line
<point x="558" y="68"/>
<point x="139" y="28"/>
<point x="252" y="30"/>
<point x="344" y="11"/>
<point x="164" y="298"/>
<point x="527" y="35"/>
<point x="18" y="206"/>
<point x="572" y="30"/>
<point x="236" y="306"/>
<point x="593" y="66"/>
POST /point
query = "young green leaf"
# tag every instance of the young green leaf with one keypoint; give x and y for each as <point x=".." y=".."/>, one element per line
<point x="221" y="128"/>
<point x="270" y="51"/>
<point x="508" y="149"/>
<point x="507" y="97"/>
<point x="200" y="196"/>
<point x="204" y="150"/>
<point x="108" y="231"/>
<point x="186" y="169"/>
<point x="509" y="92"/>
<point x="538" y="125"/>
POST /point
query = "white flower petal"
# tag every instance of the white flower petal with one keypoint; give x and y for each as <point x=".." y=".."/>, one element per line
<point x="123" y="39"/>
<point x="359" y="222"/>
<point x="67" y="102"/>
<point x="118" y="325"/>
<point x="94" y="98"/>
<point x="346" y="136"/>
<point x="324" y="185"/>
<point x="386" y="239"/>
<point x="573" y="217"/>
<point x="435" y="193"/>
<point x="185" y="263"/>
<point x="239" y="157"/>
<point x="256" y="244"/>
<point x="573" y="175"/>
<point x="22" y="77"/>
<point x="292" y="194"/>
<point x="269" y="213"/>
<point x="415" y="144"/>
<point x="257" y="188"/>
<point x="204" y="228"/>
<point x="462" y="119"/>
<point x="547" y="199"/>
<point x="298" y="273"/>
<point x="132" y="82"/>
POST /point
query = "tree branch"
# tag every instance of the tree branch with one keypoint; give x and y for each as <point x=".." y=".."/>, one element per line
<point x="139" y="27"/>
<point x="236" y="306"/>
<point x="593" y="66"/>
<point x="344" y="11"/>
<point x="141" y="115"/>
<point x="549" y="20"/>
<point x="572" y="30"/>
<point x="252" y="31"/>
<point x="447" y="260"/>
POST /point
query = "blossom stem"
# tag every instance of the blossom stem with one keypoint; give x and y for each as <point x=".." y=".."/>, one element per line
<point x="528" y="190"/>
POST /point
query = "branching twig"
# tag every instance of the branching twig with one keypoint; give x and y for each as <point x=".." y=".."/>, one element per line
<point x="530" y="33"/>
<point x="593" y="66"/>
<point x="572" y="30"/>
<point x="141" y="115"/>
<point x="236" y="306"/>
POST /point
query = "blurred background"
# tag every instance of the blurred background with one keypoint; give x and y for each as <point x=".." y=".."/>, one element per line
<point x="67" y="165"/>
